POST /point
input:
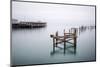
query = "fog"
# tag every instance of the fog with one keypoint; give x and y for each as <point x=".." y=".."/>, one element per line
<point x="53" y="13"/>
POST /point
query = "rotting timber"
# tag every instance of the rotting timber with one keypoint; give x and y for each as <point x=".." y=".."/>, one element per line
<point x="66" y="38"/>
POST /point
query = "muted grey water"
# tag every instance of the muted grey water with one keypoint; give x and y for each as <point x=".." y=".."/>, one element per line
<point x="34" y="46"/>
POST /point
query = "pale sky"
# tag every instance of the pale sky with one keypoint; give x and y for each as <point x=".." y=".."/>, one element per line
<point x="53" y="12"/>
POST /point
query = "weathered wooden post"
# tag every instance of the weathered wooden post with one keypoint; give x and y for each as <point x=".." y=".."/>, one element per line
<point x="56" y="38"/>
<point x="74" y="37"/>
<point x="53" y="42"/>
<point x="64" y="41"/>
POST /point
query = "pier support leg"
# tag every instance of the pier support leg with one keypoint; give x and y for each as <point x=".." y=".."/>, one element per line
<point x="75" y="38"/>
<point x="56" y="38"/>
<point x="52" y="36"/>
<point x="64" y="47"/>
<point x="53" y="45"/>
<point x="74" y="50"/>
<point x="74" y="42"/>
<point x="64" y="42"/>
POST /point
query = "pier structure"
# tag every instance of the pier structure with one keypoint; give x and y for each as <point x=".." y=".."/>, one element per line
<point x="66" y="38"/>
<point x="24" y="24"/>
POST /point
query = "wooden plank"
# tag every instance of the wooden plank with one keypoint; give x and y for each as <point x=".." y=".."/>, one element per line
<point x="69" y="42"/>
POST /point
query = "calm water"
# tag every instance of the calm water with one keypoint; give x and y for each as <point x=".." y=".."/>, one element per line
<point x="34" y="46"/>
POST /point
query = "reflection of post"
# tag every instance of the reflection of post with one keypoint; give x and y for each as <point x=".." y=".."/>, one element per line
<point x="74" y="38"/>
<point x="64" y="46"/>
<point x="64" y="41"/>
<point x="74" y="50"/>
<point x="56" y="38"/>
<point x="53" y="44"/>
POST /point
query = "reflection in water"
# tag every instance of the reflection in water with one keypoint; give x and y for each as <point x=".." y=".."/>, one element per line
<point x="34" y="46"/>
<point x="68" y="37"/>
<point x="69" y="50"/>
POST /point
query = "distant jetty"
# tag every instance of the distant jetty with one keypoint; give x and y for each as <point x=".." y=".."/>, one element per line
<point x="29" y="24"/>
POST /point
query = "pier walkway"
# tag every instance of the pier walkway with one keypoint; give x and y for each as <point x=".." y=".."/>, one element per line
<point x="24" y="24"/>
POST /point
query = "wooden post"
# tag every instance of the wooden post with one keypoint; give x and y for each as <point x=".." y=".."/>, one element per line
<point x="64" y="47"/>
<point x="74" y="37"/>
<point x="56" y="38"/>
<point x="64" y="41"/>
<point x="53" y="44"/>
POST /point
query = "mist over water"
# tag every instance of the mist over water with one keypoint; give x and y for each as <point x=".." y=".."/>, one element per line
<point x="53" y="13"/>
<point x="34" y="46"/>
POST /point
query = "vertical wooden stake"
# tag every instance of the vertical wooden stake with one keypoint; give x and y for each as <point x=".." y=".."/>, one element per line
<point x="52" y="36"/>
<point x="64" y="47"/>
<point x="56" y="38"/>
<point x="74" y="37"/>
<point x="53" y="44"/>
<point x="64" y="42"/>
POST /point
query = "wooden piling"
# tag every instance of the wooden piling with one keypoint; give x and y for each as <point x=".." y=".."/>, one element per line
<point x="56" y="39"/>
<point x="53" y="44"/>
<point x="65" y="38"/>
<point x="74" y="37"/>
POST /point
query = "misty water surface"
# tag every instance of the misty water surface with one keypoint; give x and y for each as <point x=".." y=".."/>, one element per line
<point x="34" y="46"/>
